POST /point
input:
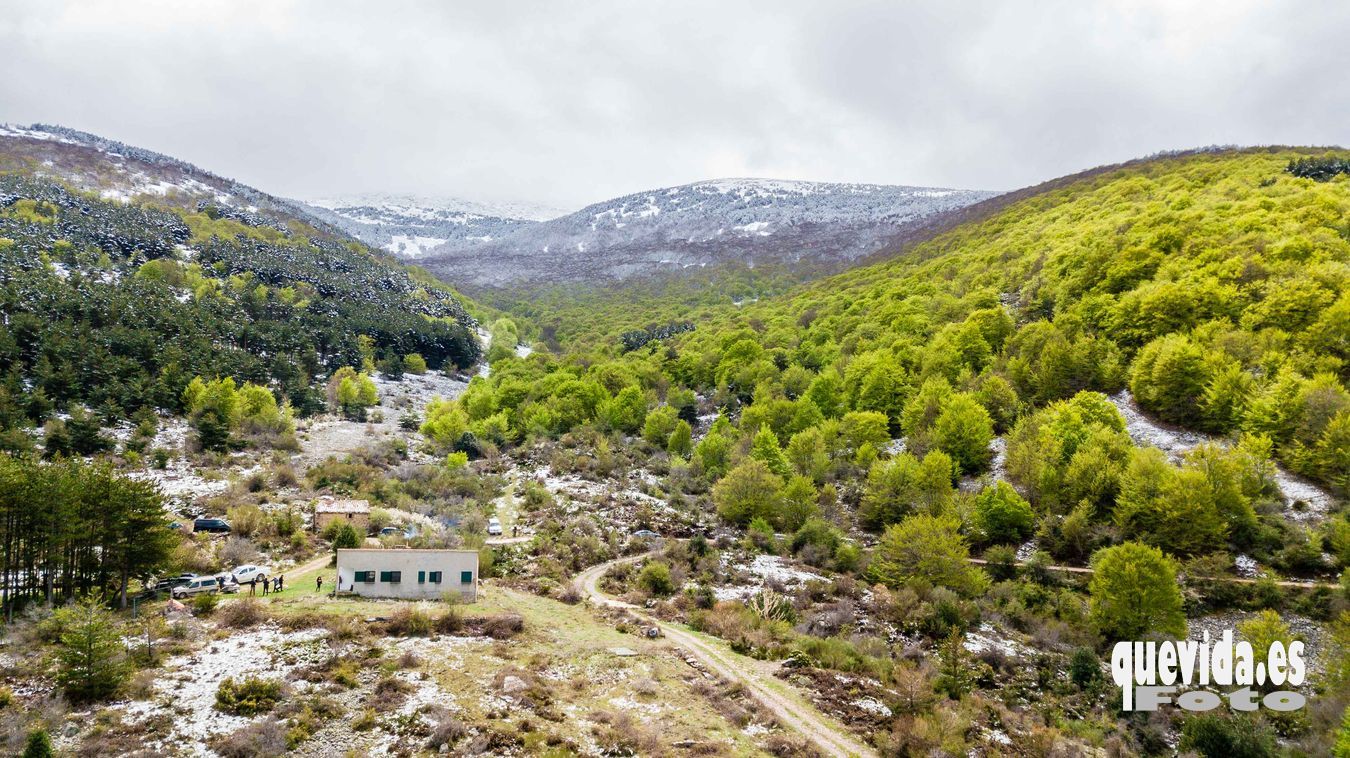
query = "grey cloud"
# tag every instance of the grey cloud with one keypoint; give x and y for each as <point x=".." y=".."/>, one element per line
<point x="568" y="103"/>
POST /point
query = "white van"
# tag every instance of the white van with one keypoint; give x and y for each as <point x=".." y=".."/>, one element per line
<point x="199" y="585"/>
<point x="494" y="526"/>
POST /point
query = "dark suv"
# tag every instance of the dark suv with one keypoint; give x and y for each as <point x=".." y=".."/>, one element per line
<point x="211" y="525"/>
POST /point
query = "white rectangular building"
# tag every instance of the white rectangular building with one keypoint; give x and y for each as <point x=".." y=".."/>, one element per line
<point x="408" y="574"/>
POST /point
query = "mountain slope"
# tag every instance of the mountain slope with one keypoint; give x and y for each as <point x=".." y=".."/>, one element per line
<point x="125" y="273"/>
<point x="748" y="221"/>
<point x="410" y="227"/>
<point x="1215" y="286"/>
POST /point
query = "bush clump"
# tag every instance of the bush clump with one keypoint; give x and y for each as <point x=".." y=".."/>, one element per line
<point x="250" y="696"/>
<point x="241" y="614"/>
<point x="409" y="622"/>
<point x="260" y="739"/>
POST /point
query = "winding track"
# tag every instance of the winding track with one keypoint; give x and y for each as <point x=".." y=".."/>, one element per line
<point x="793" y="712"/>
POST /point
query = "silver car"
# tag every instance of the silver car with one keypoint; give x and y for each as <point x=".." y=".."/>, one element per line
<point x="203" y="585"/>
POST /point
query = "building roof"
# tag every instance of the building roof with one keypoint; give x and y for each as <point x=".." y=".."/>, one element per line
<point x="342" y="506"/>
<point x="400" y="550"/>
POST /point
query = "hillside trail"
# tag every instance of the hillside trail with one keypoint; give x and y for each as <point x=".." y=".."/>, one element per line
<point x="789" y="709"/>
<point x="1305" y="585"/>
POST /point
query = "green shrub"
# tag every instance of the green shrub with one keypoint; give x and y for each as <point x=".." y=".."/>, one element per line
<point x="655" y="579"/>
<point x="409" y="622"/>
<point x="39" y="745"/>
<point x="1232" y="737"/>
<point x="204" y="604"/>
<point x="248" y="697"/>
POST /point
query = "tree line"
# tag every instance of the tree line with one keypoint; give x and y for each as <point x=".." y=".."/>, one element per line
<point x="70" y="528"/>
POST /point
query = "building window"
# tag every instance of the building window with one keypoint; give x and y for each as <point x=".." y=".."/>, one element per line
<point x="364" y="576"/>
<point x="466" y="577"/>
<point x="435" y="577"/>
<point x="393" y="577"/>
<point x="421" y="577"/>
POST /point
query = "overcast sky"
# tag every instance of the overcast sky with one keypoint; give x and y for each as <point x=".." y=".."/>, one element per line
<point x="566" y="103"/>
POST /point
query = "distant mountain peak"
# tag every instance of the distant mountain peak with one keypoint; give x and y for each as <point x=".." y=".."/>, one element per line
<point x="410" y="226"/>
<point x="430" y="204"/>
<point x="745" y="220"/>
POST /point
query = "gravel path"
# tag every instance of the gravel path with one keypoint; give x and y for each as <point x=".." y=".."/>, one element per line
<point x="792" y="712"/>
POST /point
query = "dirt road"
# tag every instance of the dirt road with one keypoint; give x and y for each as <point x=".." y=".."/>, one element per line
<point x="791" y="710"/>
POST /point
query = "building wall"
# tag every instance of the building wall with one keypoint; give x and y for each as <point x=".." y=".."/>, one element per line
<point x="451" y="563"/>
<point x="359" y="520"/>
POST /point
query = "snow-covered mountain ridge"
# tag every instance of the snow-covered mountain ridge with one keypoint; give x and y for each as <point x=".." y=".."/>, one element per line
<point x="410" y="225"/>
<point x="118" y="171"/>
<point x="700" y="224"/>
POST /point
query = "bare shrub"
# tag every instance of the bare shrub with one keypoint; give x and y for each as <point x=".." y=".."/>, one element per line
<point x="241" y="614"/>
<point x="248" y="520"/>
<point x="622" y="734"/>
<point x="409" y="622"/>
<point x="237" y="551"/>
<point x="645" y="687"/>
<point x="344" y="628"/>
<point x="502" y="627"/>
<point x="261" y="739"/>
<point x="781" y="744"/>
<point x="450" y="622"/>
<point x="141" y="686"/>
<point x="390" y="692"/>
<point x="307" y="620"/>
<point x="284" y="476"/>
<point x="446" y="733"/>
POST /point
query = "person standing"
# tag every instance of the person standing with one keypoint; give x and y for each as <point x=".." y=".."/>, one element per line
<point x="281" y="580"/>
<point x="318" y="583"/>
<point x="267" y="584"/>
<point x="220" y="584"/>
<point x="253" y="585"/>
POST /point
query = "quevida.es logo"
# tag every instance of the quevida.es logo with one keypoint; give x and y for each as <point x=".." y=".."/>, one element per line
<point x="1195" y="674"/>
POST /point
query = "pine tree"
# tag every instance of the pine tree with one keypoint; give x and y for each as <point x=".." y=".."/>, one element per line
<point x="955" y="676"/>
<point x="92" y="665"/>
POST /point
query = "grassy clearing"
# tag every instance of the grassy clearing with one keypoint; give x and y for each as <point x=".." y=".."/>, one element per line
<point x="577" y="696"/>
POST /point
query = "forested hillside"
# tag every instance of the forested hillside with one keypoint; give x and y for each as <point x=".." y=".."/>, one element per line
<point x="117" y="306"/>
<point x="1138" y="375"/>
<point x="1212" y="285"/>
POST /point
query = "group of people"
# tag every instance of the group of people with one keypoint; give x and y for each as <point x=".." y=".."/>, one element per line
<point x="268" y="585"/>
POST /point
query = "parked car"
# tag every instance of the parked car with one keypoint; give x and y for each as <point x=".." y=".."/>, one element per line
<point x="211" y="525"/>
<point x="243" y="574"/>
<point x="389" y="531"/>
<point x="168" y="583"/>
<point x="200" y="585"/>
<point x="494" y="526"/>
<point x="646" y="534"/>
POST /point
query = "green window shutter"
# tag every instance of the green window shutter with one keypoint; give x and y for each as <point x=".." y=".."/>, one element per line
<point x="466" y="577"/>
<point x="421" y="577"/>
<point x="435" y="577"/>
